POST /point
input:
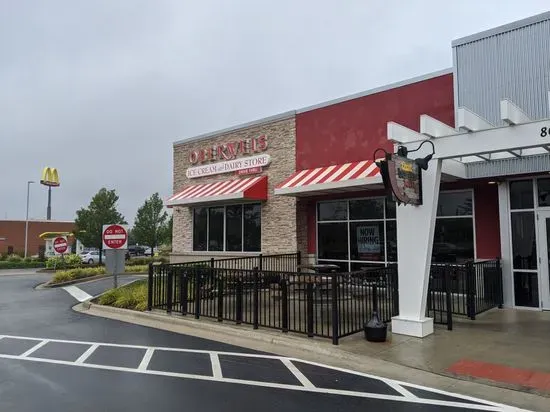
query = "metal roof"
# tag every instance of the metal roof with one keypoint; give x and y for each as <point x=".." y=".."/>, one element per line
<point x="502" y="29"/>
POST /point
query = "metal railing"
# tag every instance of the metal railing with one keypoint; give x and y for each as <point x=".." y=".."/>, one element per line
<point x="331" y="305"/>
<point x="466" y="289"/>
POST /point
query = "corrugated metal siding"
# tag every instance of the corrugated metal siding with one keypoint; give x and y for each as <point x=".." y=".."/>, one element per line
<point x="508" y="167"/>
<point x="514" y="65"/>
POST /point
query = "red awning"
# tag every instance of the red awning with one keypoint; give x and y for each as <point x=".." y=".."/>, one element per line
<point x="335" y="178"/>
<point x="250" y="188"/>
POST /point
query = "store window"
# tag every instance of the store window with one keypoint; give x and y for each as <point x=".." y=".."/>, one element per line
<point x="357" y="233"/>
<point x="524" y="243"/>
<point x="232" y="228"/>
<point x="454" y="228"/>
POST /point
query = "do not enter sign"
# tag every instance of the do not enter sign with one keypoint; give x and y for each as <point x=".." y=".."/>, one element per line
<point x="115" y="237"/>
<point x="60" y="244"/>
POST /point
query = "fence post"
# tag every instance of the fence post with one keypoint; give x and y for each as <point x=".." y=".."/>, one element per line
<point x="298" y="260"/>
<point x="239" y="303"/>
<point x="260" y="262"/>
<point x="448" y="298"/>
<point x="284" y="305"/>
<point x="184" y="291"/>
<point x="375" y="298"/>
<point x="197" y="291"/>
<point x="220" y="298"/>
<point x="150" y="287"/>
<point x="309" y="309"/>
<point x="470" y="290"/>
<point x="500" y="288"/>
<point x="255" y="303"/>
<point x="169" y="290"/>
<point x="334" y="310"/>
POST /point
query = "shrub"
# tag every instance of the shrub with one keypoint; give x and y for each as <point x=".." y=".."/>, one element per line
<point x="68" y="261"/>
<point x="137" y="268"/>
<point x="73" y="274"/>
<point x="132" y="296"/>
<point x="14" y="258"/>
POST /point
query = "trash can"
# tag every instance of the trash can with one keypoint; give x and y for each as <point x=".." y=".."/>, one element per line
<point x="375" y="329"/>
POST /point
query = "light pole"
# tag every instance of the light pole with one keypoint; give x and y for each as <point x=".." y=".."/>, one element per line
<point x="27" y="218"/>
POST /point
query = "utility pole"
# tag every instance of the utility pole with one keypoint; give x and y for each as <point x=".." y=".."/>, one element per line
<point x="27" y="218"/>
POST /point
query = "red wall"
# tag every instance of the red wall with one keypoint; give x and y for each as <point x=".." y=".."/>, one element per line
<point x="14" y="233"/>
<point x="350" y="131"/>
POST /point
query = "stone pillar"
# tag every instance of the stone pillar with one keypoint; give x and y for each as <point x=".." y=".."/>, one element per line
<point x="415" y="234"/>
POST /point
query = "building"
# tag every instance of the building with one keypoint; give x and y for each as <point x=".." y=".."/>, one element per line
<point x="318" y="190"/>
<point x="13" y="234"/>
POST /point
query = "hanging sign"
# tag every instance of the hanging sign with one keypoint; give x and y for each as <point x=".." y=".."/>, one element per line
<point x="404" y="178"/>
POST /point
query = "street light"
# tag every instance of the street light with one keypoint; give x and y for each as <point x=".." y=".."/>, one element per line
<point x="27" y="218"/>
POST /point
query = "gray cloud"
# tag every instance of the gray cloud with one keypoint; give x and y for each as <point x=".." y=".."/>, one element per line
<point x="101" y="89"/>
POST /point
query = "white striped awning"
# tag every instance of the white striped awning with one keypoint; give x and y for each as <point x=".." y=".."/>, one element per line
<point x="336" y="178"/>
<point x="250" y="188"/>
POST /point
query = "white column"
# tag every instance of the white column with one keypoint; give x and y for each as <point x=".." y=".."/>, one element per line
<point x="415" y="234"/>
<point x="505" y="244"/>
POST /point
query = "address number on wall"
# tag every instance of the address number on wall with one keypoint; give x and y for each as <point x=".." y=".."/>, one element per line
<point x="544" y="131"/>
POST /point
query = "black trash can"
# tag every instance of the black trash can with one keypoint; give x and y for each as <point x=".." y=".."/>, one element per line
<point x="375" y="329"/>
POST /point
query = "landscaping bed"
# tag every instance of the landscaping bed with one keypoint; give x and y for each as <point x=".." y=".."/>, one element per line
<point x="64" y="276"/>
<point x="132" y="296"/>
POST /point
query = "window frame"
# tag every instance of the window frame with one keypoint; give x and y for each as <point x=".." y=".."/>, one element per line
<point x="207" y="251"/>
<point x="347" y="222"/>
<point x="385" y="220"/>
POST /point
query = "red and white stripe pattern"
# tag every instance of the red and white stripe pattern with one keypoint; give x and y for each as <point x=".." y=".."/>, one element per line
<point x="206" y="191"/>
<point x="329" y="174"/>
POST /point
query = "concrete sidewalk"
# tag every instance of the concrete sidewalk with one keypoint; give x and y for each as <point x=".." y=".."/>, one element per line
<point x="423" y="362"/>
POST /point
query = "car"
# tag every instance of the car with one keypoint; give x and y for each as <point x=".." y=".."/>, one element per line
<point x="91" y="257"/>
<point x="136" y="250"/>
<point x="147" y="252"/>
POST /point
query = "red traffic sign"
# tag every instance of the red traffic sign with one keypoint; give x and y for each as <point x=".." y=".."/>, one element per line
<point x="60" y="244"/>
<point x="115" y="237"/>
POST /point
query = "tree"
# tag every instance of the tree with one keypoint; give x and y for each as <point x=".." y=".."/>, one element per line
<point x="150" y="223"/>
<point x="166" y="233"/>
<point x="101" y="211"/>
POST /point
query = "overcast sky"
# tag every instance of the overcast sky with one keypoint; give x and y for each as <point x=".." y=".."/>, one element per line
<point x="100" y="89"/>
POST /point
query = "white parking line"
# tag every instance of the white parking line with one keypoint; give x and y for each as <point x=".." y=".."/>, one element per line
<point x="35" y="348"/>
<point x="146" y="359"/>
<point x="216" y="367"/>
<point x="217" y="375"/>
<point x="87" y="354"/>
<point x="297" y="373"/>
<point x="77" y="293"/>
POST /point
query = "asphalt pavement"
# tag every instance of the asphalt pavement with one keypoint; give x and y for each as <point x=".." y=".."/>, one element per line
<point x="52" y="358"/>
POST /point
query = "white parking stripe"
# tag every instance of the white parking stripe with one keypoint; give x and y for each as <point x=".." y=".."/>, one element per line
<point x="146" y="359"/>
<point x="216" y="367"/>
<point x="217" y="375"/>
<point x="477" y="407"/>
<point x="77" y="293"/>
<point x="35" y="348"/>
<point x="296" y="372"/>
<point x="86" y="354"/>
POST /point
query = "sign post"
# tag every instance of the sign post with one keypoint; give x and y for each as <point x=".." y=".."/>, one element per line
<point x="115" y="243"/>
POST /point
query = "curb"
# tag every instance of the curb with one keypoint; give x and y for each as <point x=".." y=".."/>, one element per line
<point x="47" y="285"/>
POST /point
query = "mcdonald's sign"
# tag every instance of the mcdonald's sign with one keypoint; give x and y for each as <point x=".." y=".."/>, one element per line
<point x="50" y="177"/>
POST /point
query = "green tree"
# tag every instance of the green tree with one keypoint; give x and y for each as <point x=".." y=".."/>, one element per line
<point x="101" y="211"/>
<point x="150" y="223"/>
<point x="166" y="233"/>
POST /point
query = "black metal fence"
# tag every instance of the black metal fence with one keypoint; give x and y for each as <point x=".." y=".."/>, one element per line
<point x="463" y="289"/>
<point x="330" y="305"/>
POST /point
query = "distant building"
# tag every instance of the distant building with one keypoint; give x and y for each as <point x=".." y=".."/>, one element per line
<point x="12" y="235"/>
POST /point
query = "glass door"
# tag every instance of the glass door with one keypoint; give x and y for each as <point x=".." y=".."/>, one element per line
<point x="543" y="224"/>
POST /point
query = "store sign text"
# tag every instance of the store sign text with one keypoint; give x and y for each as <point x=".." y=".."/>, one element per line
<point x="229" y="166"/>
<point x="229" y="151"/>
